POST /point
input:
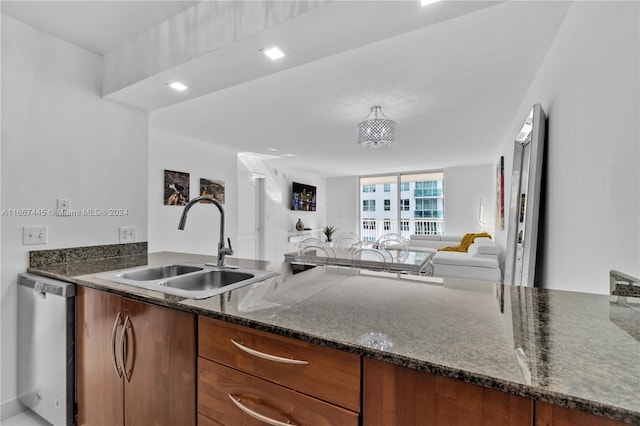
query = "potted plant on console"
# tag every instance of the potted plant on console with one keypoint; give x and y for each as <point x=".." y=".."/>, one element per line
<point x="328" y="232"/>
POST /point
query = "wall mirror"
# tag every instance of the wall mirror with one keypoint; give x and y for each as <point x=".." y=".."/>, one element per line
<point x="524" y="202"/>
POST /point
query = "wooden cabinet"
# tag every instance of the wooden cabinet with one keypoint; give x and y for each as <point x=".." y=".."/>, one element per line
<point x="100" y="391"/>
<point x="394" y="395"/>
<point x="237" y="398"/>
<point x="554" y="415"/>
<point x="244" y="374"/>
<point x="136" y="362"/>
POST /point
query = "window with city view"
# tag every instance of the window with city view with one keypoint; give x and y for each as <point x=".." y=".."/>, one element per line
<point x="368" y="205"/>
<point x="417" y="208"/>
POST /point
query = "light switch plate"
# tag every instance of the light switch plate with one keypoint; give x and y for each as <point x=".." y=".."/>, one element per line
<point x="35" y="235"/>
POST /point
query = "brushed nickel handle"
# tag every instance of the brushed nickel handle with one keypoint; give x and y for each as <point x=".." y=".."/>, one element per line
<point x="268" y="357"/>
<point x="117" y="322"/>
<point x="256" y="415"/>
<point x="123" y="348"/>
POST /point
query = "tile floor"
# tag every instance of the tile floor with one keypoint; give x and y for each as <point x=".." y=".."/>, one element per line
<point x="26" y="418"/>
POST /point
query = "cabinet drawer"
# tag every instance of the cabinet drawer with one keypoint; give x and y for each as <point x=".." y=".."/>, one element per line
<point x="327" y="374"/>
<point x="254" y="397"/>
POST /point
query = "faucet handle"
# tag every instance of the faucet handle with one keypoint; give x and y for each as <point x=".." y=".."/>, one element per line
<point x="230" y="252"/>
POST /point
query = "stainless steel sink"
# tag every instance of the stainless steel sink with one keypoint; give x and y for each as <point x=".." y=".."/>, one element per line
<point x="189" y="281"/>
<point x="160" y="272"/>
<point x="208" y="280"/>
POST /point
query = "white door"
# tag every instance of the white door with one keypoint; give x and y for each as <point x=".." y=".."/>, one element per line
<point x="251" y="219"/>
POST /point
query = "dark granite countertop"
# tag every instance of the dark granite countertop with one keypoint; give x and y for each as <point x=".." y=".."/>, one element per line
<point x="572" y="349"/>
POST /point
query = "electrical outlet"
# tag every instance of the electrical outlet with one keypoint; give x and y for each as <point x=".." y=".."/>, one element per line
<point x="63" y="205"/>
<point x="35" y="235"/>
<point x="127" y="234"/>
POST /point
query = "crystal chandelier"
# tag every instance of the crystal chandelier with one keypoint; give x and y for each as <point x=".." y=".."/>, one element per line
<point x="376" y="132"/>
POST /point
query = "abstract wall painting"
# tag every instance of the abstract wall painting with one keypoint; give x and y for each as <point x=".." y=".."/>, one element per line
<point x="500" y="193"/>
<point x="212" y="188"/>
<point x="176" y="188"/>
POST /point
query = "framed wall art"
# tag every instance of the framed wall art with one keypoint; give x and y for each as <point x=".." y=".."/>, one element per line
<point x="176" y="188"/>
<point x="212" y="188"/>
<point x="500" y="193"/>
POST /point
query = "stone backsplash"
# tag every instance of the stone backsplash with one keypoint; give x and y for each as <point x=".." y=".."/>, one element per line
<point x="67" y="256"/>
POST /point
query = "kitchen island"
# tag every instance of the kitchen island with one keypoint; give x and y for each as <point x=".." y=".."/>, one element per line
<point x="568" y="349"/>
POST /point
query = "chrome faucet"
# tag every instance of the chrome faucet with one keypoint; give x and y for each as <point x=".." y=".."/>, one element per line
<point x="222" y="250"/>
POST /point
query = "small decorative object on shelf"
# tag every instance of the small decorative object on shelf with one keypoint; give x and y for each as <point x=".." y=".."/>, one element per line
<point x="299" y="225"/>
<point x="328" y="232"/>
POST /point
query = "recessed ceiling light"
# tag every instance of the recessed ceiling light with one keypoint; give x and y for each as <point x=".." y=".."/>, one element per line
<point x="274" y="53"/>
<point x="176" y="85"/>
<point x="423" y="3"/>
<point x="272" y="149"/>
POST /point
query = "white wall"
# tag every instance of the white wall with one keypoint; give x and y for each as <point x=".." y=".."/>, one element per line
<point x="464" y="187"/>
<point x="280" y="220"/>
<point x="60" y="140"/>
<point x="588" y="85"/>
<point x="343" y="204"/>
<point x="204" y="159"/>
<point x="201" y="159"/>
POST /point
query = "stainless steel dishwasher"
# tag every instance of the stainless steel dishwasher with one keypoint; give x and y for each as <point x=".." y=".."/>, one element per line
<point x="46" y="347"/>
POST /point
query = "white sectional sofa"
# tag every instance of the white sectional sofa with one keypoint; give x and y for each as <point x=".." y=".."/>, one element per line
<point x="479" y="262"/>
<point x="432" y="242"/>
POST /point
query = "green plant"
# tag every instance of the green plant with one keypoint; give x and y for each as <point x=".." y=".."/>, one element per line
<point x="328" y="232"/>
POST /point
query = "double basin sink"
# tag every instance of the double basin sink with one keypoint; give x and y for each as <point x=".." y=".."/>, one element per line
<point x="192" y="281"/>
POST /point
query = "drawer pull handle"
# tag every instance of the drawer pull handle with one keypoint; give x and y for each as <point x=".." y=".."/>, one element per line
<point x="258" y="416"/>
<point x="268" y="356"/>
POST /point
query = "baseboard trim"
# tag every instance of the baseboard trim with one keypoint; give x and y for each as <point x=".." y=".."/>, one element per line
<point x="11" y="408"/>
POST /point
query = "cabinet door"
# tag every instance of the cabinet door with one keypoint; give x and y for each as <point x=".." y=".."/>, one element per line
<point x="554" y="415"/>
<point x="395" y="395"/>
<point x="160" y="365"/>
<point x="99" y="388"/>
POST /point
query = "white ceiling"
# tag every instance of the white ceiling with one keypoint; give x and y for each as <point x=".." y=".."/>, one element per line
<point x="452" y="75"/>
<point x="98" y="26"/>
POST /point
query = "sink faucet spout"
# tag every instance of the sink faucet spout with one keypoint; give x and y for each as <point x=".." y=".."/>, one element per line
<point x="222" y="250"/>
